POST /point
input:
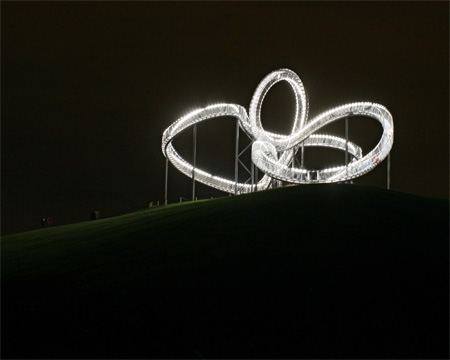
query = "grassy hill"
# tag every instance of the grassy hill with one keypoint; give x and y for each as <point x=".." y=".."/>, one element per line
<point x="320" y="271"/>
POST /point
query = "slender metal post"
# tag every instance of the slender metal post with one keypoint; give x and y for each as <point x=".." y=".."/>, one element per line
<point x="293" y="158"/>
<point x="236" y="164"/>
<point x="346" y="147"/>
<point x="253" y="176"/>
<point x="194" y="150"/>
<point x="303" y="156"/>
<point x="167" y="175"/>
<point x="389" y="172"/>
<point x="256" y="177"/>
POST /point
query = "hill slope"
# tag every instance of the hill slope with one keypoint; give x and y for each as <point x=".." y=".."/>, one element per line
<point x="321" y="271"/>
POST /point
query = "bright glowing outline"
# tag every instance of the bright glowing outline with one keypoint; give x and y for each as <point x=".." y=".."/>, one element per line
<point x="272" y="153"/>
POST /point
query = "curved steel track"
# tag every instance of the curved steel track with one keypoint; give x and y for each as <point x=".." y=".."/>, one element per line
<point x="273" y="153"/>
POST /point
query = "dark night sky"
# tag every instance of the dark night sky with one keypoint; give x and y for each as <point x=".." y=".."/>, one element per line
<point x="89" y="87"/>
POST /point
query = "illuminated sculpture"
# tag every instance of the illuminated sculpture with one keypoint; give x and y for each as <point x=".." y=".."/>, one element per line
<point x="273" y="153"/>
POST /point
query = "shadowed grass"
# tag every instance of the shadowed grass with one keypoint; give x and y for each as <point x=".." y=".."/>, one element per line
<point x="315" y="271"/>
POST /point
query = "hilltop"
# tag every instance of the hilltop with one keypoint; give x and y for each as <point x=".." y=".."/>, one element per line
<point x="318" y="271"/>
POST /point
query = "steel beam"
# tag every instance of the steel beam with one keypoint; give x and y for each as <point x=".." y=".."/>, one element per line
<point x="194" y="150"/>
<point x="303" y="156"/>
<point x="389" y="171"/>
<point x="167" y="176"/>
<point x="346" y="147"/>
<point x="236" y="160"/>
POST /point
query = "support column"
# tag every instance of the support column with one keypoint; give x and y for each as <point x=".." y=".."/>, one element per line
<point x="389" y="171"/>
<point x="167" y="176"/>
<point x="293" y="158"/>
<point x="194" y="150"/>
<point x="252" y="168"/>
<point x="303" y="156"/>
<point x="236" y="160"/>
<point x="346" y="148"/>
<point x="256" y="177"/>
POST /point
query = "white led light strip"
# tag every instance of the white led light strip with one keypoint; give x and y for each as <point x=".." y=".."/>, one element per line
<point x="273" y="153"/>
